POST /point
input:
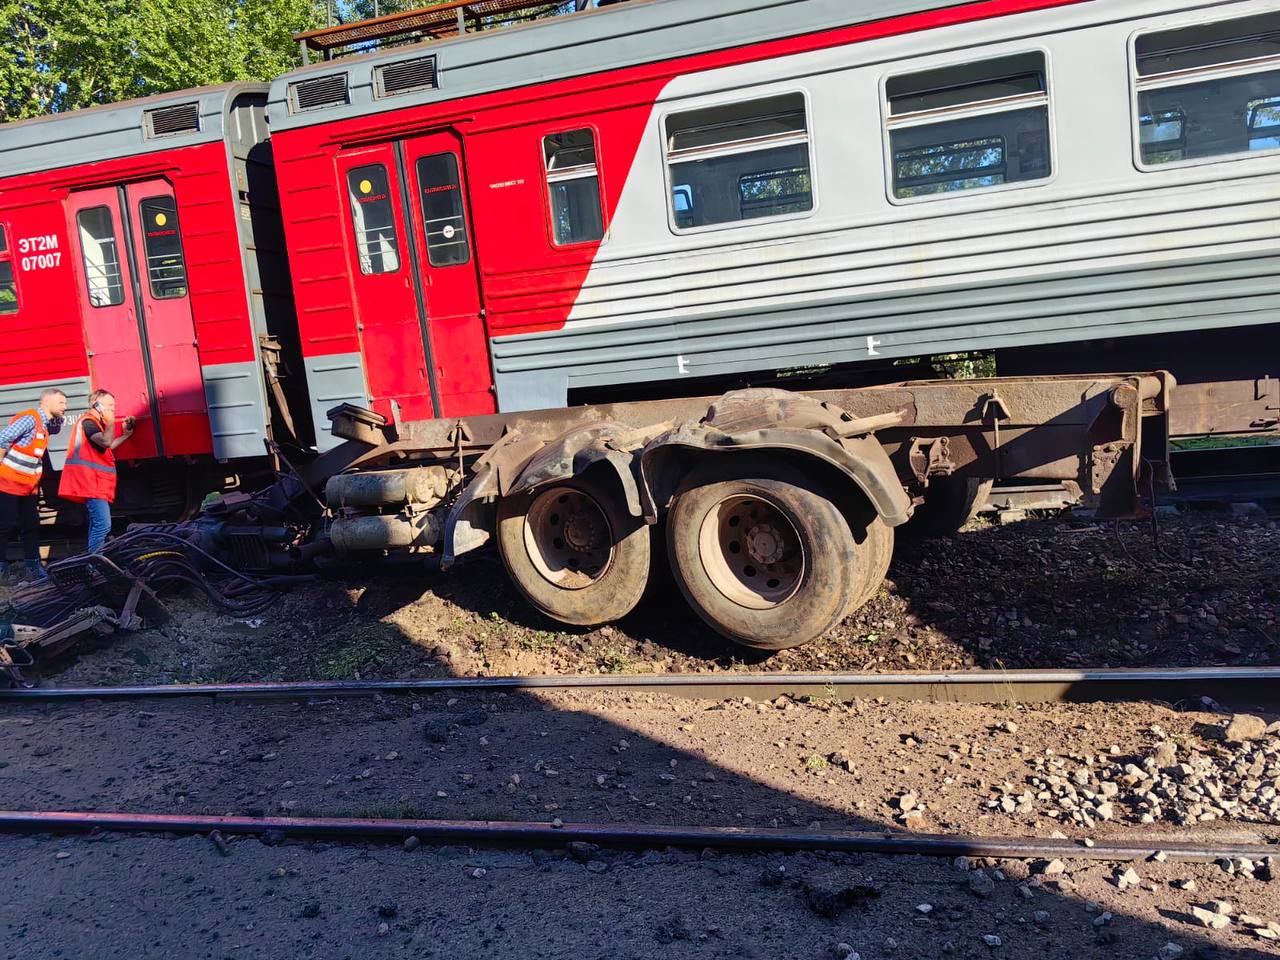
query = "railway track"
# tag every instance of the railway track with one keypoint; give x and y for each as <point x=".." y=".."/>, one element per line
<point x="557" y="834"/>
<point x="1255" y="686"/>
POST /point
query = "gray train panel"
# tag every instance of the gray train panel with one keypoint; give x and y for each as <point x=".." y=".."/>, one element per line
<point x="147" y="125"/>
<point x="237" y="407"/>
<point x="333" y="380"/>
<point x="1081" y="306"/>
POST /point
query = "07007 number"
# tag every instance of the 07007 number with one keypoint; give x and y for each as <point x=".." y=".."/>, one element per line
<point x="35" y="257"/>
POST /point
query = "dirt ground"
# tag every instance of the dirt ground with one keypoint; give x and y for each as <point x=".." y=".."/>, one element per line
<point x="1040" y="593"/>
<point x="153" y="897"/>
<point x="595" y="758"/>
<point x="605" y="757"/>
<point x="591" y="757"/>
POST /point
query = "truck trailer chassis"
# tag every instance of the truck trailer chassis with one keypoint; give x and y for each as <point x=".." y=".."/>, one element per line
<point x="777" y="508"/>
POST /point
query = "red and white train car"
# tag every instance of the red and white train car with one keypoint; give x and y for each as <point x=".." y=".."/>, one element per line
<point x="640" y="200"/>
<point x="140" y="252"/>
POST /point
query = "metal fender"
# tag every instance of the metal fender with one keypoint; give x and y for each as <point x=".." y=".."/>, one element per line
<point x="792" y="424"/>
<point x="572" y="453"/>
<point x="469" y="524"/>
<point x="519" y="463"/>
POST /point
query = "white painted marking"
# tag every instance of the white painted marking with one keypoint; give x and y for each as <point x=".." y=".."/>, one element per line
<point x="872" y="343"/>
<point x="35" y="247"/>
<point x="42" y="261"/>
<point x="682" y="365"/>
<point x="48" y="241"/>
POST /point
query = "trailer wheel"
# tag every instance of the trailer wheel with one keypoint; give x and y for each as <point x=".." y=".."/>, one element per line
<point x="574" y="552"/>
<point x="762" y="555"/>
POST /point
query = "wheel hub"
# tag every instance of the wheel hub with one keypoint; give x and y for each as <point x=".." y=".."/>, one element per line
<point x="765" y="543"/>
<point x="567" y="537"/>
<point x="751" y="551"/>
<point x="583" y="532"/>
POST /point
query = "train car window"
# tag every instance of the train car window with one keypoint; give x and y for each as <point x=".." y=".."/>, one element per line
<point x="1163" y="136"/>
<point x="373" y="217"/>
<point x="739" y="161"/>
<point x="1264" y="124"/>
<point x="774" y="192"/>
<point x="100" y="257"/>
<point x="682" y="204"/>
<point x="443" y="213"/>
<point x="969" y="126"/>
<point x="166" y="268"/>
<point x="1208" y="90"/>
<point x="8" y="287"/>
<point x="573" y="185"/>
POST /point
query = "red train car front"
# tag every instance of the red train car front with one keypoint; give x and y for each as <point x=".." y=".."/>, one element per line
<point x="140" y="253"/>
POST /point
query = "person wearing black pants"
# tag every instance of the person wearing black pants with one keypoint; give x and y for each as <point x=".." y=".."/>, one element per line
<point x="20" y="512"/>
<point x="23" y="443"/>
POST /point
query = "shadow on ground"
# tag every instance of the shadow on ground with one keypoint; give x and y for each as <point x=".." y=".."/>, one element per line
<point x="472" y="757"/>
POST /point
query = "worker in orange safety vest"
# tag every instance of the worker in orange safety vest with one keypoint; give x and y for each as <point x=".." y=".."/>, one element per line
<point x="89" y="476"/>
<point x="22" y="446"/>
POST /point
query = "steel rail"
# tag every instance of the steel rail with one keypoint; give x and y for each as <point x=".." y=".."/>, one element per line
<point x="1255" y="686"/>
<point x="535" y="833"/>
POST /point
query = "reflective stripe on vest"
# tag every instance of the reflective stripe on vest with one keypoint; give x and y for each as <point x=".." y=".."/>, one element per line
<point x="20" y="461"/>
<point x="23" y="463"/>
<point x="89" y="472"/>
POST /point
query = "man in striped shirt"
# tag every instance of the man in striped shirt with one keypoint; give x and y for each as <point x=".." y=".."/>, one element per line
<point x="22" y="445"/>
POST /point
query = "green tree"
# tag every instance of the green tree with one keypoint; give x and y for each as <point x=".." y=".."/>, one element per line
<point x="64" y="54"/>
<point x="350" y="10"/>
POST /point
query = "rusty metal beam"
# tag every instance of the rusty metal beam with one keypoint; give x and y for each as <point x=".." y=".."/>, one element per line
<point x="946" y="404"/>
<point x="1230" y="407"/>
<point x="1084" y="430"/>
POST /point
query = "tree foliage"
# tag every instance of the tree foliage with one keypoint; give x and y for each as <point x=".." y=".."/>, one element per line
<point x="64" y="54"/>
<point x="58" y="55"/>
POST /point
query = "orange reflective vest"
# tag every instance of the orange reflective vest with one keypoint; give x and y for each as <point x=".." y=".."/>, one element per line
<point x="23" y="463"/>
<point x="90" y="471"/>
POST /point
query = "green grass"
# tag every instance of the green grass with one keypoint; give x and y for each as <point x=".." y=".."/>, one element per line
<point x="827" y="699"/>
<point x="365" y="652"/>
<point x="617" y="663"/>
<point x="1223" y="443"/>
<point x="537" y="641"/>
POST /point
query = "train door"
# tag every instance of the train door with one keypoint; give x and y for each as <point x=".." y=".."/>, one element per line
<point x="137" y="315"/>
<point x="439" y="209"/>
<point x="112" y="321"/>
<point x="417" y="290"/>
<point x="390" y="310"/>
<point x="168" y="326"/>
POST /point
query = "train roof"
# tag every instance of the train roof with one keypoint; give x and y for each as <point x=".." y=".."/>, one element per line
<point x="555" y="48"/>
<point x="133" y="127"/>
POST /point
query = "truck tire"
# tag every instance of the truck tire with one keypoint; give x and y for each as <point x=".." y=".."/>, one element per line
<point x="879" y="547"/>
<point x="574" y="552"/>
<point x="762" y="554"/>
<point x="949" y="504"/>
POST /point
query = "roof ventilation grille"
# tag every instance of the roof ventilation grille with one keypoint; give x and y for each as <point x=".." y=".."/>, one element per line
<point x="318" y="92"/>
<point x="171" y="121"/>
<point x="406" y="76"/>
